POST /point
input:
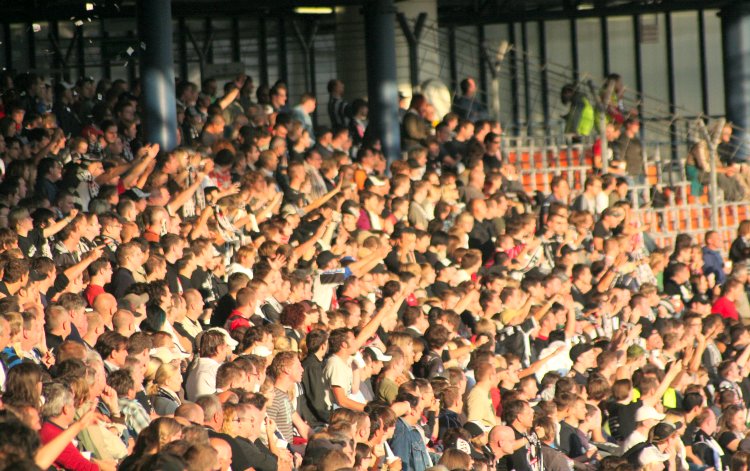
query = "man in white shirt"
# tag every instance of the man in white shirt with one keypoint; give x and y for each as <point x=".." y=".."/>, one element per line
<point x="201" y="380"/>
<point x="338" y="374"/>
<point x="645" y="418"/>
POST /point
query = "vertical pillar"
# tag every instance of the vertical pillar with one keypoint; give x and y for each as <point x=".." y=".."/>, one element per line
<point x="157" y="73"/>
<point x="427" y="54"/>
<point x="380" y="52"/>
<point x="735" y="35"/>
<point x="350" y="42"/>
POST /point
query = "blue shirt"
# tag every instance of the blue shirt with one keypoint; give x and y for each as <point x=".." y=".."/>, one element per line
<point x="713" y="263"/>
<point x="407" y="444"/>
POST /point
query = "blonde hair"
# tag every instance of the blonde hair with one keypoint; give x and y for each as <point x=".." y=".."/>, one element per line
<point x="163" y="374"/>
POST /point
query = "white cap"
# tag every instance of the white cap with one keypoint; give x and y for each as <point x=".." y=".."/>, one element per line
<point x="646" y="413"/>
<point x="650" y="455"/>
<point x="164" y="354"/>
<point x="378" y="354"/>
<point x="261" y="351"/>
<point x="482" y="426"/>
<point x="227" y="338"/>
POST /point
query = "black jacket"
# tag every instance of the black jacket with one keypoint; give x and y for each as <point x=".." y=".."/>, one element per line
<point x="312" y="406"/>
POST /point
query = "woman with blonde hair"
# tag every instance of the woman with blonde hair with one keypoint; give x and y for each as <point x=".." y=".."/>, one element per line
<point x="456" y="459"/>
<point x="165" y="389"/>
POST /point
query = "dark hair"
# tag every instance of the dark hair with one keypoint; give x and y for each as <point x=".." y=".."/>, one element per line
<point x="121" y="381"/>
<point x="437" y="336"/>
<point x="336" y="340"/>
<point x="512" y="410"/>
<point x="210" y="343"/>
<point x="315" y="339"/>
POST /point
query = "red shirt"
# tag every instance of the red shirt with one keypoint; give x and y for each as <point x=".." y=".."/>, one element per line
<point x="70" y="458"/>
<point x="726" y="308"/>
<point x="91" y="292"/>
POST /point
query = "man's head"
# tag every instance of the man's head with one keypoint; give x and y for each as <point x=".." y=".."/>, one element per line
<point x="287" y="365"/>
<point x="58" y="404"/>
<point x="501" y="441"/>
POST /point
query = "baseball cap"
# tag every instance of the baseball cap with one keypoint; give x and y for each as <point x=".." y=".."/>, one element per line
<point x="227" y="338"/>
<point x="164" y="354"/>
<point x="378" y="354"/>
<point x="476" y="428"/>
<point x="662" y="431"/>
<point x="324" y="258"/>
<point x="647" y="413"/>
<point x="136" y="194"/>
<point x="132" y="302"/>
<point x="350" y="207"/>
<point x="579" y="350"/>
<point x="651" y="455"/>
<point x="375" y="181"/>
<point x="261" y="351"/>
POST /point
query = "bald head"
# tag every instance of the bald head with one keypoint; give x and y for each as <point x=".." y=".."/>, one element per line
<point x="224" y="452"/>
<point x="105" y="304"/>
<point x="501" y="440"/>
<point x="190" y="411"/>
<point x="123" y="322"/>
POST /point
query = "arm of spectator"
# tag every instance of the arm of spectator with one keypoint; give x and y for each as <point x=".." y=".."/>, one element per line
<point x="607" y="278"/>
<point x="372" y="326"/>
<point x="73" y="271"/>
<point x="343" y="401"/>
<point x="146" y="156"/>
<point x="695" y="360"/>
<point x="227" y="99"/>
<point x="112" y="173"/>
<point x="57" y="226"/>
<point x="360" y="267"/>
<point x="302" y="248"/>
<point x="743" y="363"/>
<point x="542" y="311"/>
<point x="526" y="308"/>
<point x="466" y="301"/>
<point x="690" y="455"/>
<point x="570" y="322"/>
<point x="323" y="199"/>
<point x="672" y="373"/>
<point x="534" y="367"/>
<point x="301" y="426"/>
<point x="273" y="447"/>
<point x="181" y="198"/>
<point x="400" y="408"/>
<point x="328" y="234"/>
<point x="201" y="225"/>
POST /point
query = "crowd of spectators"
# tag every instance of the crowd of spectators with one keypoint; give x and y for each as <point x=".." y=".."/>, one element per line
<point x="276" y="295"/>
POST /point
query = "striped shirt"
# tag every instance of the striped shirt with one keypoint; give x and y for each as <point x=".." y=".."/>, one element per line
<point x="281" y="411"/>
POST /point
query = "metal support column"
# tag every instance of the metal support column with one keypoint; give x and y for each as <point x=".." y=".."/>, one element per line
<point x="545" y="75"/>
<point x="157" y="72"/>
<point x="281" y="44"/>
<point x="452" y="58"/>
<point x="482" y="66"/>
<point x="412" y="40"/>
<point x="703" y="60"/>
<point x="182" y="35"/>
<point x="382" y="90"/>
<point x="262" y="51"/>
<point x="735" y="27"/>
